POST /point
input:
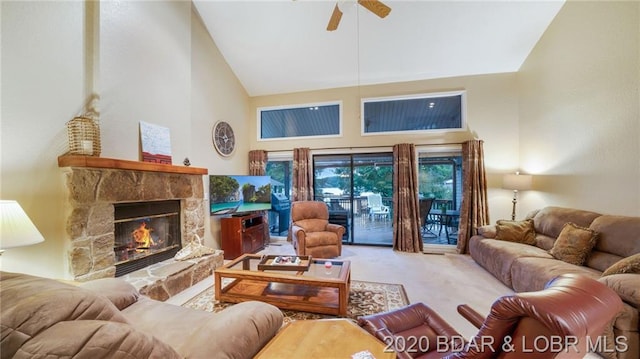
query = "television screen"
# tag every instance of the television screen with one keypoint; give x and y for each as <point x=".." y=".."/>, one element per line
<point x="237" y="194"/>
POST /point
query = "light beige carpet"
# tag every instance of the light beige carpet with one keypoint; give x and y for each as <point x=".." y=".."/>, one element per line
<point x="364" y="298"/>
<point x="441" y="281"/>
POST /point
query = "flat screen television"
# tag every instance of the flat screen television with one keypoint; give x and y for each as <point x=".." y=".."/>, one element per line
<point x="239" y="194"/>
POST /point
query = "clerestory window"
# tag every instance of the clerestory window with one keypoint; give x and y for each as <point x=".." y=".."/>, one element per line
<point x="310" y="120"/>
<point x="417" y="113"/>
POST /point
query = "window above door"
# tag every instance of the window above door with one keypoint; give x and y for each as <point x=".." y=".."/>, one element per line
<point x="300" y="121"/>
<point x="443" y="111"/>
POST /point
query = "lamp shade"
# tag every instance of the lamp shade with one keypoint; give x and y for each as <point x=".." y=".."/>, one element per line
<point x="16" y="229"/>
<point x="517" y="182"/>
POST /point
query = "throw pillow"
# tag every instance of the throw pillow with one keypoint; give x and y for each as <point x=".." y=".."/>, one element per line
<point x="574" y="244"/>
<point x="488" y="231"/>
<point x="516" y="231"/>
<point x="625" y="265"/>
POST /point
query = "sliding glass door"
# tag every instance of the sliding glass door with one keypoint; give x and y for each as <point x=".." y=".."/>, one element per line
<point x="440" y="185"/>
<point x="358" y="188"/>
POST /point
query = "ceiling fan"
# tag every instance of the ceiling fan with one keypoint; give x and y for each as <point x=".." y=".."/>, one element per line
<point x="375" y="6"/>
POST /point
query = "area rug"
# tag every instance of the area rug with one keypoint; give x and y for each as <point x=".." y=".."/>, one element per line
<point x="364" y="298"/>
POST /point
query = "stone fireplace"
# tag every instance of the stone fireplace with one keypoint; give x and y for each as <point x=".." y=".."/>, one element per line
<point x="97" y="186"/>
<point x="145" y="233"/>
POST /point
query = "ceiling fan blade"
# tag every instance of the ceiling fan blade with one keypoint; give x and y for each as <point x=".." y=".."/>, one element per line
<point x="335" y="19"/>
<point x="376" y="7"/>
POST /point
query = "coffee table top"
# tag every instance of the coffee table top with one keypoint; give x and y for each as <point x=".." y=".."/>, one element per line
<point x="339" y="270"/>
<point x="324" y="338"/>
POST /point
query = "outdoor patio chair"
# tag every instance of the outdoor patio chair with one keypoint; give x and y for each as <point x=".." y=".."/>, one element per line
<point x="376" y="208"/>
<point x="571" y="310"/>
<point x="427" y="221"/>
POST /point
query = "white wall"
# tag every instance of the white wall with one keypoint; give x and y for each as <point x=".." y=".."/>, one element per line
<point x="216" y="95"/>
<point x="580" y="110"/>
<point x="149" y="61"/>
<point x="43" y="87"/>
<point x="145" y="74"/>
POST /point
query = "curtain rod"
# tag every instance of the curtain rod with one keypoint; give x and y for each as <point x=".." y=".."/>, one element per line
<point x="365" y="147"/>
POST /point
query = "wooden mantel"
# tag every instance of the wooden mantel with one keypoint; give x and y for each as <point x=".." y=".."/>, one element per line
<point x="101" y="162"/>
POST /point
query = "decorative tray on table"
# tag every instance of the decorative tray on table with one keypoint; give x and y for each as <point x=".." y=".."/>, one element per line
<point x="280" y="262"/>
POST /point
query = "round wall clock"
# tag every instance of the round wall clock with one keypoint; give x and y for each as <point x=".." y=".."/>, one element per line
<point x="223" y="138"/>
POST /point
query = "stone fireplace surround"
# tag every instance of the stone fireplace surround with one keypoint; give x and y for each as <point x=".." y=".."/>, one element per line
<point x="94" y="184"/>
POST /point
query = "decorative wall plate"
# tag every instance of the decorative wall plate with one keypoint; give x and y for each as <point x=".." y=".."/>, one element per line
<point x="223" y="138"/>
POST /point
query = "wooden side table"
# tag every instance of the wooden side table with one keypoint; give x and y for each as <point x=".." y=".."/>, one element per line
<point x="324" y="338"/>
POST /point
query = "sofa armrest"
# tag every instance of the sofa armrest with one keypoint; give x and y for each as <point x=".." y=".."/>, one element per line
<point x="488" y="231"/>
<point x="337" y="229"/>
<point x="471" y="315"/>
<point x="239" y="331"/>
<point x="626" y="285"/>
<point x="118" y="291"/>
<point x="297" y="231"/>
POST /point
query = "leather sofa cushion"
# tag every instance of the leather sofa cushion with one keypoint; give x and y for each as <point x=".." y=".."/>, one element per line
<point x="532" y="274"/>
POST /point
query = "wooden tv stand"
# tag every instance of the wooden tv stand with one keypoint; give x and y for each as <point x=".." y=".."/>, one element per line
<point x="242" y="234"/>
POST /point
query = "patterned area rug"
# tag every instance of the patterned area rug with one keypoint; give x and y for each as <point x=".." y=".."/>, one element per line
<point x="364" y="298"/>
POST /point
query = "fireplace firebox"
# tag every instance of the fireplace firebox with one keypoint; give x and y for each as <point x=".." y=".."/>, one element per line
<point x="145" y="233"/>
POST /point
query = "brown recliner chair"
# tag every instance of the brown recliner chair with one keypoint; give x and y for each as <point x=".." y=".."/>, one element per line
<point x="565" y="319"/>
<point x="311" y="232"/>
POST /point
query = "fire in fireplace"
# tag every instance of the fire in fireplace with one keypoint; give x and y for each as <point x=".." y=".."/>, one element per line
<point x="145" y="233"/>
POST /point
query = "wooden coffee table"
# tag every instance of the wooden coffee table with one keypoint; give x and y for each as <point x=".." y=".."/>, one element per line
<point x="317" y="290"/>
<point x="325" y="338"/>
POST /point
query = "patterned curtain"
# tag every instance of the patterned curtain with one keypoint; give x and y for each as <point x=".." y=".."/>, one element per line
<point x="302" y="175"/>
<point x="474" y="210"/>
<point x="302" y="178"/>
<point x="257" y="163"/>
<point x="258" y="167"/>
<point x="407" y="236"/>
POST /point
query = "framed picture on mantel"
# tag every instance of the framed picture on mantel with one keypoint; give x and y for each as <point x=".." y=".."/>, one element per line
<point x="156" y="143"/>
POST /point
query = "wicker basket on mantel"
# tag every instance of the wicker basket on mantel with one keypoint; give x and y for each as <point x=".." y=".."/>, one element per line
<point x="84" y="136"/>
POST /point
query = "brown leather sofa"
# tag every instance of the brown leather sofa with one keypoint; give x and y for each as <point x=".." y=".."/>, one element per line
<point x="311" y="232"/>
<point x="545" y="324"/>
<point x="526" y="267"/>
<point x="107" y="318"/>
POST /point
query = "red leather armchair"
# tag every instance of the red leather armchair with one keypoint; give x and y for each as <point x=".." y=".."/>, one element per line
<point x="311" y="232"/>
<point x="562" y="320"/>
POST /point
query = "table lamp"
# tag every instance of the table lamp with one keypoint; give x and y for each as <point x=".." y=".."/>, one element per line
<point x="516" y="182"/>
<point x="16" y="229"/>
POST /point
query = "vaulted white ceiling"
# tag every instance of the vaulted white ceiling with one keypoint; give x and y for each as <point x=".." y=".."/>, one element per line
<point x="282" y="46"/>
